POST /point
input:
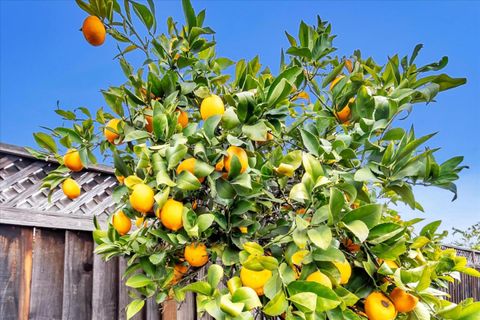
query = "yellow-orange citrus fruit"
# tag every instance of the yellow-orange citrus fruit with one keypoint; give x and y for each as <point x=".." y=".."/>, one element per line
<point x="390" y="263"/>
<point x="120" y="179"/>
<point x="243" y="229"/>
<point x="335" y="81"/>
<point x="349" y="65"/>
<point x="321" y="278"/>
<point x="297" y="257"/>
<point x="403" y="301"/>
<point x="255" y="279"/>
<point x="71" y="188"/>
<point x="149" y="124"/>
<point x="141" y="198"/>
<point x="139" y="221"/>
<point x="196" y="254"/>
<point x="121" y="223"/>
<point x="171" y="215"/>
<point x="379" y="307"/>
<point x="110" y="135"/>
<point x="179" y="271"/>
<point x="72" y="160"/>
<point x="182" y="118"/>
<point x="343" y="115"/>
<point x="240" y="154"/>
<point x="211" y="106"/>
<point x="345" y="271"/>
<point x="189" y="165"/>
<point x="94" y="30"/>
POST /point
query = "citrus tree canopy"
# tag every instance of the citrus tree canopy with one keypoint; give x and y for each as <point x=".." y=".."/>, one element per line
<point x="282" y="184"/>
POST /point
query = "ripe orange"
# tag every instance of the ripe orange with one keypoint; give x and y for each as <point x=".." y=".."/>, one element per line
<point x="255" y="279"/>
<point x="120" y="179"/>
<point x="139" y="221"/>
<point x="343" y="115"/>
<point x="178" y="272"/>
<point x="71" y="188"/>
<point x="240" y="154"/>
<point x="182" y="117"/>
<point x="211" y="106"/>
<point x="141" y="198"/>
<point x="149" y="124"/>
<point x="321" y="278"/>
<point x="349" y="65"/>
<point x="171" y="215"/>
<point x="345" y="271"/>
<point x="110" y="135"/>
<point x="403" y="301"/>
<point x="72" y="160"/>
<point x="94" y="30"/>
<point x="390" y="263"/>
<point x="243" y="230"/>
<point x="189" y="165"/>
<point x="379" y="307"/>
<point x="196" y="255"/>
<point x="335" y="81"/>
<point x="121" y="223"/>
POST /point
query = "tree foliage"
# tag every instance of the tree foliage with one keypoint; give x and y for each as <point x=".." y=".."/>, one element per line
<point x="327" y="158"/>
<point x="468" y="238"/>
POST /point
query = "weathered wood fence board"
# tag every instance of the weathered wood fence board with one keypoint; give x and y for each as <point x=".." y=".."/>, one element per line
<point x="15" y="272"/>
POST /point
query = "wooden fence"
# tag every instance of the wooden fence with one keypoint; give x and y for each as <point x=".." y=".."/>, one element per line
<point x="47" y="267"/>
<point x="53" y="274"/>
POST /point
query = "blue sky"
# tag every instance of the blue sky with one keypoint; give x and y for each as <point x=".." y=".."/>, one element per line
<point x="44" y="58"/>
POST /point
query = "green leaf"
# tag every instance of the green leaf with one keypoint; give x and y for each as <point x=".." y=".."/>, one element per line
<point x="227" y="306"/>
<point x="277" y="305"/>
<point x="330" y="254"/>
<point x="370" y="214"/>
<point x="189" y="13"/>
<point x="253" y="248"/>
<point x="359" y="229"/>
<point x="175" y="154"/>
<point x="138" y="281"/>
<point x="327" y="299"/>
<point x="321" y="236"/>
<point x="187" y="181"/>
<point x="279" y="92"/>
<point x="144" y="14"/>
<point x="157" y="258"/>
<point x="305" y="301"/>
<point x="336" y="203"/>
<point x="45" y="141"/>
<point x="215" y="274"/>
<point x="201" y="287"/>
<point x="256" y="132"/>
<point x="204" y="221"/>
<point x="136" y="135"/>
<point x="311" y="142"/>
<point x="247" y="296"/>
<point x="134" y="307"/>
<point x="210" y="125"/>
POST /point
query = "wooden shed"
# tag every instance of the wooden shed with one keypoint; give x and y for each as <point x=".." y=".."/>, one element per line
<point x="47" y="266"/>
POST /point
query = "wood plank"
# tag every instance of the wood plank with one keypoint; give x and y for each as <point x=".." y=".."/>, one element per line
<point x="46" y="296"/>
<point x="123" y="297"/>
<point x="22" y="174"/>
<point x="186" y="310"/>
<point x="153" y="309"/>
<point x="15" y="271"/>
<point x="105" y="289"/>
<point x="78" y="275"/>
<point x="169" y="310"/>
<point x="47" y="219"/>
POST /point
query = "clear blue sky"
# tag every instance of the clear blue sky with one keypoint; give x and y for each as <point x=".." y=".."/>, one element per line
<point x="44" y="58"/>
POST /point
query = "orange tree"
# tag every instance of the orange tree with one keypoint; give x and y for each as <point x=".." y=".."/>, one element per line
<point x="283" y="183"/>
